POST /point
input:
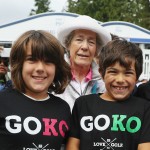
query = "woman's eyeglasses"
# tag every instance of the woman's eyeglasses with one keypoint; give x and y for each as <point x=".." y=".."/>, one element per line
<point x="5" y="61"/>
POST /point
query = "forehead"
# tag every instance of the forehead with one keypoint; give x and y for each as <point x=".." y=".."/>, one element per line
<point x="128" y="65"/>
<point x="81" y="32"/>
<point x="41" y="51"/>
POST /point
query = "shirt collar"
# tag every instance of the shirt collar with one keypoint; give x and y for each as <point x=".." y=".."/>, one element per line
<point x="87" y="78"/>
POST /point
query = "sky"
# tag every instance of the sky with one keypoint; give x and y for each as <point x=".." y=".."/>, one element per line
<point x="13" y="10"/>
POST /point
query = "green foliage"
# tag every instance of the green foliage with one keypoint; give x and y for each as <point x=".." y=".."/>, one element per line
<point x="145" y="14"/>
<point x="41" y="7"/>
<point x="134" y="11"/>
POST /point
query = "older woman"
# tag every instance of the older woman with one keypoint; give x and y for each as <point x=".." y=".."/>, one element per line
<point x="82" y="38"/>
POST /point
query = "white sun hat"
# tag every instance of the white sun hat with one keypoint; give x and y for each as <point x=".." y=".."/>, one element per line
<point x="83" y="22"/>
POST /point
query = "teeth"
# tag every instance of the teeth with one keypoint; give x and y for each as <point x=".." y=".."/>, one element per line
<point x="39" y="78"/>
<point x="120" y="88"/>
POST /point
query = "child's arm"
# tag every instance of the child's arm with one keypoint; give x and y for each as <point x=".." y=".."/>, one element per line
<point x="73" y="144"/>
<point x="144" y="146"/>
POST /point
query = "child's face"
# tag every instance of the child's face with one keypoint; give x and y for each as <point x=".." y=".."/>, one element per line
<point x="119" y="82"/>
<point x="38" y="76"/>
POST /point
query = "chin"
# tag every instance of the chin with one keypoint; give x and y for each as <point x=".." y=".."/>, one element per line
<point x="82" y="64"/>
<point x="121" y="98"/>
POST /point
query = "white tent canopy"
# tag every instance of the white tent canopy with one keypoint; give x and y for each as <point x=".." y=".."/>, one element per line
<point x="128" y="31"/>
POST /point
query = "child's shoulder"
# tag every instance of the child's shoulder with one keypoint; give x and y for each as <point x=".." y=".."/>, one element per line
<point x="87" y="98"/>
<point x="7" y="92"/>
<point x="58" y="100"/>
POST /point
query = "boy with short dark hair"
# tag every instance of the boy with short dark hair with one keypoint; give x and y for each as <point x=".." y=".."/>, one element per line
<point x="115" y="119"/>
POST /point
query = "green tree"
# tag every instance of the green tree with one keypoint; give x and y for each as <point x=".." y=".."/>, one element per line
<point x="134" y="11"/>
<point x="41" y="7"/>
<point x="145" y="14"/>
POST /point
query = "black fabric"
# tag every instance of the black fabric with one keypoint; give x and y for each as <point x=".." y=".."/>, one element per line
<point x="28" y="124"/>
<point x="143" y="90"/>
<point x="101" y="124"/>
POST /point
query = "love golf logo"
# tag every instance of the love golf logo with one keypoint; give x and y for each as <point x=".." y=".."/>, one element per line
<point x="108" y="144"/>
<point x="38" y="147"/>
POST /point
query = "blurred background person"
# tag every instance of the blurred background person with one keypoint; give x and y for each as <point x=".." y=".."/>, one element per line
<point x="142" y="79"/>
<point x="143" y="89"/>
<point x="5" y="82"/>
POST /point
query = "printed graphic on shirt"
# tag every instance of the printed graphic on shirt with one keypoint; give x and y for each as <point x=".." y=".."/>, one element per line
<point x="122" y="123"/>
<point x="108" y="144"/>
<point x="49" y="126"/>
<point x="38" y="147"/>
<point x="114" y="123"/>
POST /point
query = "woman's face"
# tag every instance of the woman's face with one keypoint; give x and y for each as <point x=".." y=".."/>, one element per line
<point x="37" y="75"/>
<point x="82" y="48"/>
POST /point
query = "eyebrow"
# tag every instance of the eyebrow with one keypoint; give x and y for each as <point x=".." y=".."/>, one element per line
<point x="112" y="68"/>
<point x="82" y="35"/>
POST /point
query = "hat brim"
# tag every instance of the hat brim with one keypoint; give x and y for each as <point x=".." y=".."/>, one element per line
<point x="83" y="23"/>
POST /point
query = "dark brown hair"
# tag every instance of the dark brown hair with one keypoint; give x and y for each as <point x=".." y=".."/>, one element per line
<point x="44" y="47"/>
<point x="123" y="52"/>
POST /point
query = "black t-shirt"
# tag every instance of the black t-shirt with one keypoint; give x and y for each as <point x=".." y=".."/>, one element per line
<point x="101" y="124"/>
<point x="143" y="90"/>
<point x="28" y="124"/>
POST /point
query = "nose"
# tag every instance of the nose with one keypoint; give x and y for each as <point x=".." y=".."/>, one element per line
<point x="120" y="78"/>
<point x="84" y="45"/>
<point x="2" y="63"/>
<point x="39" y="66"/>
